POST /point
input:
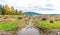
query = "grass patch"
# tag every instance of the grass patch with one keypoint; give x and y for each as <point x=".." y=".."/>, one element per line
<point x="8" y="25"/>
<point x="47" y="25"/>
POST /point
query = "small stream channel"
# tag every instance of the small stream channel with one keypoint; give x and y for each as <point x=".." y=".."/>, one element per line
<point x="29" y="30"/>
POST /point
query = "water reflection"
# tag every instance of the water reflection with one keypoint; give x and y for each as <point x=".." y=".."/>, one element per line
<point x="29" y="30"/>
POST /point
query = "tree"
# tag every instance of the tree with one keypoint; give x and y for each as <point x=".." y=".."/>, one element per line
<point x="13" y="11"/>
<point x="2" y="11"/>
<point x="1" y="7"/>
<point x="16" y="12"/>
<point x="6" y="8"/>
<point x="20" y="13"/>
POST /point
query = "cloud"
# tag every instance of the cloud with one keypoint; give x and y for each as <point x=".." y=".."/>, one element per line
<point x="40" y="6"/>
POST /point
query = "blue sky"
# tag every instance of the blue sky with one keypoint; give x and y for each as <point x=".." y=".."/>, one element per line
<point x="39" y="6"/>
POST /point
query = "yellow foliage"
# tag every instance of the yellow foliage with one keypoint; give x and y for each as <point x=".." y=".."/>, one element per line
<point x="6" y="7"/>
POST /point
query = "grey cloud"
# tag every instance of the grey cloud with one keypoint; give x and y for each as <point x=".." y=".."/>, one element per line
<point x="47" y="9"/>
<point x="41" y="8"/>
<point x="49" y="5"/>
<point x="36" y="8"/>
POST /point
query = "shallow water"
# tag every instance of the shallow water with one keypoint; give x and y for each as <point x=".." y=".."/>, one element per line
<point x="29" y="30"/>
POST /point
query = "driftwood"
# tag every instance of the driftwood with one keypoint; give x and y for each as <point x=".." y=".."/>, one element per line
<point x="44" y="30"/>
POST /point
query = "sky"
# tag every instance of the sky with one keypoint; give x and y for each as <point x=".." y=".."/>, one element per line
<point x="38" y="6"/>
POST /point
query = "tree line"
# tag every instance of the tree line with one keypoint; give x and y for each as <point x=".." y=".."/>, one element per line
<point x="6" y="10"/>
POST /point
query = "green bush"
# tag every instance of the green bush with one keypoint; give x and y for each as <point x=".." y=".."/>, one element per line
<point x="51" y="21"/>
<point x="44" y="19"/>
<point x="19" y="17"/>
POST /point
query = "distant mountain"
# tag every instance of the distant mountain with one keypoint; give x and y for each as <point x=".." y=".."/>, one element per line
<point x="54" y="14"/>
<point x="34" y="13"/>
<point x="31" y="13"/>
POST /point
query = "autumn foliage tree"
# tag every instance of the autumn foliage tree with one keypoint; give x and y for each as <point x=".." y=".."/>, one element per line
<point x="6" y="7"/>
<point x="6" y="10"/>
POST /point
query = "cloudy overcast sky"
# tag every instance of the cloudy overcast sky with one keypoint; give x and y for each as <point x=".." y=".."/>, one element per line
<point x="39" y="6"/>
